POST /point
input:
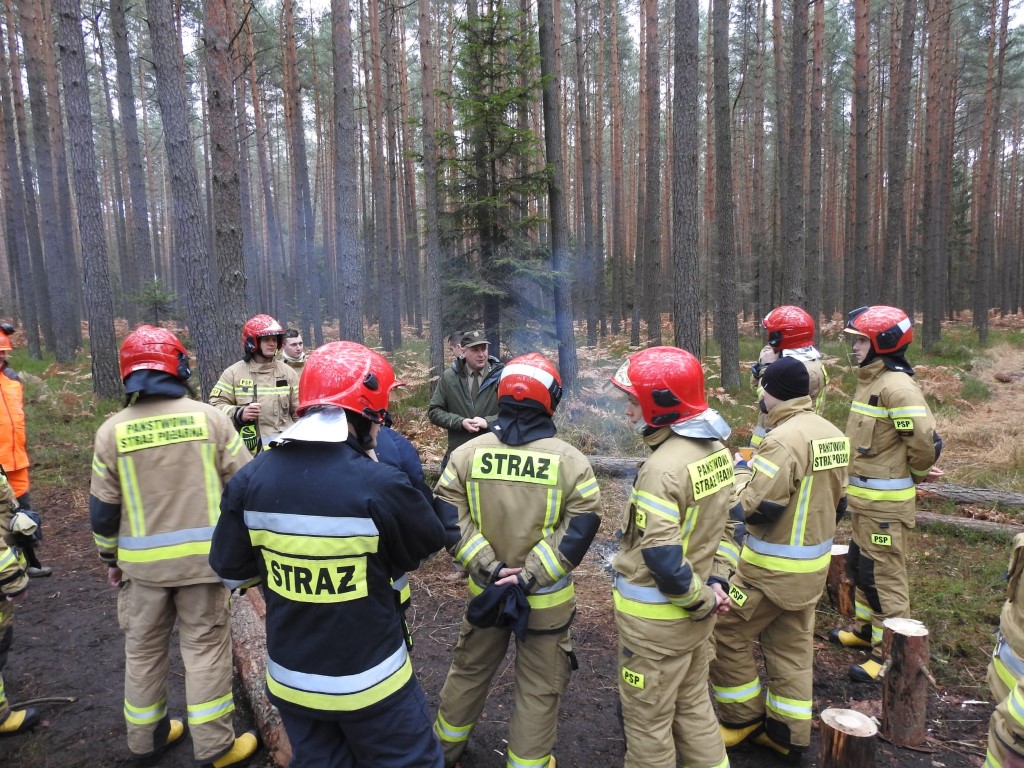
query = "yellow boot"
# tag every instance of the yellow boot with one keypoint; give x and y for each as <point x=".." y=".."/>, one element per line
<point x="735" y="736"/>
<point x="849" y="639"/>
<point x="19" y="721"/>
<point x="789" y="756"/>
<point x="241" y="751"/>
<point x="868" y="672"/>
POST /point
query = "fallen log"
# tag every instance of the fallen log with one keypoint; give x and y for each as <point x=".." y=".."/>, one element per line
<point x="249" y="641"/>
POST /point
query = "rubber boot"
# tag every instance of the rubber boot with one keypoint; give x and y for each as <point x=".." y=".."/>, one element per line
<point x="790" y="756"/>
<point x="35" y="569"/>
<point x="19" y="721"/>
<point x="241" y="751"/>
<point x="735" y="736"/>
<point x="856" y="639"/>
<point x="868" y="672"/>
<point x="176" y="731"/>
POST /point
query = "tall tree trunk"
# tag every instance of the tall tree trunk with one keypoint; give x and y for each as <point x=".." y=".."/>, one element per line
<point x="189" y="228"/>
<point x="618" y="218"/>
<point x="589" y="257"/>
<point x="813" y="249"/>
<point x="375" y="115"/>
<point x="685" y="175"/>
<point x="222" y="66"/>
<point x="346" y="204"/>
<point x="560" y="262"/>
<point x="106" y="379"/>
<point x="302" y="214"/>
<point x="431" y="205"/>
<point x="652" y="195"/>
<point x="391" y="117"/>
<point x="127" y="266"/>
<point x="58" y="261"/>
<point x="725" y="277"/>
<point x="16" y="218"/>
<point x="142" y="249"/>
<point x="33" y="229"/>
<point x="860" y="272"/>
<point x="793" y="232"/>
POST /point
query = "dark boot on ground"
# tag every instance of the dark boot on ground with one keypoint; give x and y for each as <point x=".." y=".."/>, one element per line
<point x="19" y="721"/>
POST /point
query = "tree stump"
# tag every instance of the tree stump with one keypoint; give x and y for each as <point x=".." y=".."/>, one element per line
<point x="841" y="591"/>
<point x="848" y="739"/>
<point x="905" y="684"/>
<point x="249" y="640"/>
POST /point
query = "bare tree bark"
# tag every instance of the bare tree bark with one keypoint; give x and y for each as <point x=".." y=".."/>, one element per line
<point x="685" y="172"/>
<point x="189" y="228"/>
<point x="651" y="243"/>
<point x="725" y="263"/>
<point x="431" y="221"/>
<point x="859" y="272"/>
<point x="222" y="66"/>
<point x="346" y="208"/>
<point x="548" y="37"/>
<point x="106" y="378"/>
<point x="59" y="262"/>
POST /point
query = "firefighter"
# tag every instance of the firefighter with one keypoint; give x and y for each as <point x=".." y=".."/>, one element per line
<point x="13" y="583"/>
<point x="667" y="585"/>
<point x="528" y="507"/>
<point x="157" y="473"/>
<point x="1006" y="671"/>
<point x="13" y="453"/>
<point x="792" y="495"/>
<point x="258" y="392"/>
<point x="790" y="334"/>
<point x="293" y="350"/>
<point x="465" y="401"/>
<point x="894" y="447"/>
<point x="324" y="551"/>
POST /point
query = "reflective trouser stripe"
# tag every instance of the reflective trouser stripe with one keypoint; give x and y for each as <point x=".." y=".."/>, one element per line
<point x="210" y="710"/>
<point x="795" y="709"/>
<point x="154" y="713"/>
<point x="453" y="734"/>
<point x="737" y="693"/>
<point x="514" y="761"/>
<point x="862" y="611"/>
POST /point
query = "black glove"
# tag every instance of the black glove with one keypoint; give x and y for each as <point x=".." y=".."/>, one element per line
<point x="937" y="440"/>
<point x="26" y="528"/>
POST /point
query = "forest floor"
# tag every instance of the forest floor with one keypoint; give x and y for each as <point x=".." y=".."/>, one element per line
<point x="67" y="644"/>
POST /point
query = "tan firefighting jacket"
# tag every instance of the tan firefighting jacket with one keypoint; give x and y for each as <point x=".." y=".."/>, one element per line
<point x="274" y="384"/>
<point x="13" y="578"/>
<point x="677" y="515"/>
<point x="791" y="497"/>
<point x="1008" y="657"/>
<point x="817" y="375"/>
<point x="535" y="506"/>
<point x="891" y="432"/>
<point x="158" y="470"/>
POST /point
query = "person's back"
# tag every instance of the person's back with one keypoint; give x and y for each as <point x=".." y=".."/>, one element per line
<point x="157" y="473"/>
<point x="324" y="551"/>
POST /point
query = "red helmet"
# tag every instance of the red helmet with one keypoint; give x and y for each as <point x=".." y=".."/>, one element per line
<point x="531" y="377"/>
<point x="259" y="327"/>
<point x="155" y="349"/>
<point x="789" y="328"/>
<point x="667" y="381"/>
<point x="888" y="328"/>
<point x="348" y="375"/>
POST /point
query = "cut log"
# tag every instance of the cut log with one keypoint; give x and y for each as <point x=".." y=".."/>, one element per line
<point x="848" y="739"/>
<point x="841" y="591"/>
<point x="249" y="640"/>
<point x="905" y="684"/>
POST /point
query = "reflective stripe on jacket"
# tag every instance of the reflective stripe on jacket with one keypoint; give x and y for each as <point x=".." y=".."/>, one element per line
<point x="890" y="429"/>
<point x="790" y="503"/>
<point x="159" y="466"/>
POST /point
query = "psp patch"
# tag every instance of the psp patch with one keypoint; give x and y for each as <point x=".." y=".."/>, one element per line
<point x="631" y="678"/>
